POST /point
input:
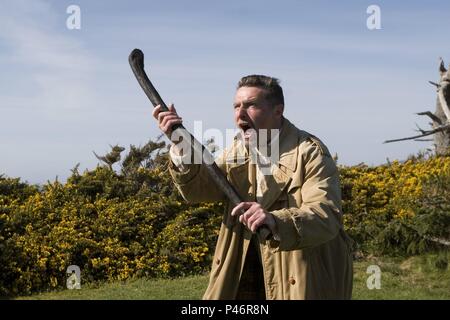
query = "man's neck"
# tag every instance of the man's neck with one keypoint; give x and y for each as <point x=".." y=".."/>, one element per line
<point x="277" y="131"/>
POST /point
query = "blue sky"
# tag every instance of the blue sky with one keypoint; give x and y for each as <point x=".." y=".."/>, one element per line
<point x="65" y="93"/>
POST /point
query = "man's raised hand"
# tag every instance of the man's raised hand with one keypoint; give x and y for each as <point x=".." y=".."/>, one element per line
<point x="167" y="119"/>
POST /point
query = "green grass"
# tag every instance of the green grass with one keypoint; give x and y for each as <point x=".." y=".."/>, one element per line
<point x="139" y="289"/>
<point x="411" y="278"/>
<point x="401" y="278"/>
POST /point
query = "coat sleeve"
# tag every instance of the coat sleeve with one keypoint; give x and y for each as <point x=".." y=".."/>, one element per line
<point x="194" y="183"/>
<point x="319" y="217"/>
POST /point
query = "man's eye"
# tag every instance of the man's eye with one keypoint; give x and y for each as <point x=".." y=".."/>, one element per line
<point x="245" y="105"/>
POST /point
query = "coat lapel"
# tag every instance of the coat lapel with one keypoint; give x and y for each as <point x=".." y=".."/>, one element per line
<point x="238" y="167"/>
<point x="238" y="170"/>
<point x="282" y="171"/>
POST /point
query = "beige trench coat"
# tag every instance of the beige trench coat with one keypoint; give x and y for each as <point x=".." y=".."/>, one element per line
<point x="313" y="258"/>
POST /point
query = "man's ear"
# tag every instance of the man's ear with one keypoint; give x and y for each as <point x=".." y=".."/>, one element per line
<point x="279" y="109"/>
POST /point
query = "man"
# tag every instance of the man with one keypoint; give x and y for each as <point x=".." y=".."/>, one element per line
<point x="299" y="200"/>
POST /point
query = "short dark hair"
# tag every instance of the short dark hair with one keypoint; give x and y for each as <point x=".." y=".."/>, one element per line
<point x="274" y="92"/>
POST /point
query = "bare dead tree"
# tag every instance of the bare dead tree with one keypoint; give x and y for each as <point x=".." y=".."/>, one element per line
<point x="440" y="125"/>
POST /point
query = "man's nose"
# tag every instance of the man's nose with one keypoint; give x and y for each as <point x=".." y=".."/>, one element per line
<point x="242" y="113"/>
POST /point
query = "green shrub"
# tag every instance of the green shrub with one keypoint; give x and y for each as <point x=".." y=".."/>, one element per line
<point x="113" y="225"/>
<point x="397" y="208"/>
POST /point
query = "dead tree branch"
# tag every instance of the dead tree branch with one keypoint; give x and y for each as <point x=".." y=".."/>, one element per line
<point x="427" y="133"/>
<point x="431" y="115"/>
<point x="444" y="242"/>
<point x="435" y="84"/>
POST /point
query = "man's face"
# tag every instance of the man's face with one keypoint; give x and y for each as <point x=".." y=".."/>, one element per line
<point x="253" y="111"/>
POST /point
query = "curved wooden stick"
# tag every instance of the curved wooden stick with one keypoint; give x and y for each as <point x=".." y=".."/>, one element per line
<point x="136" y="60"/>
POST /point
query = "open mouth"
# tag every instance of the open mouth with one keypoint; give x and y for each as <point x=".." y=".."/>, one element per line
<point x="247" y="129"/>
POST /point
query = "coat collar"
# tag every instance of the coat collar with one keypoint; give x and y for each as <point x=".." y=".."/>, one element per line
<point x="238" y="164"/>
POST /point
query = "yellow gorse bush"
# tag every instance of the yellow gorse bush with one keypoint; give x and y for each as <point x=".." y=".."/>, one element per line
<point x="375" y="196"/>
<point x="108" y="237"/>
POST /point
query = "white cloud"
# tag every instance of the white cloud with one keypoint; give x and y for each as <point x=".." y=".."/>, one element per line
<point x="53" y="68"/>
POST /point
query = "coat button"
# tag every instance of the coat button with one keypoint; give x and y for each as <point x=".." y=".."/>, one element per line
<point x="292" y="281"/>
<point x="217" y="261"/>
